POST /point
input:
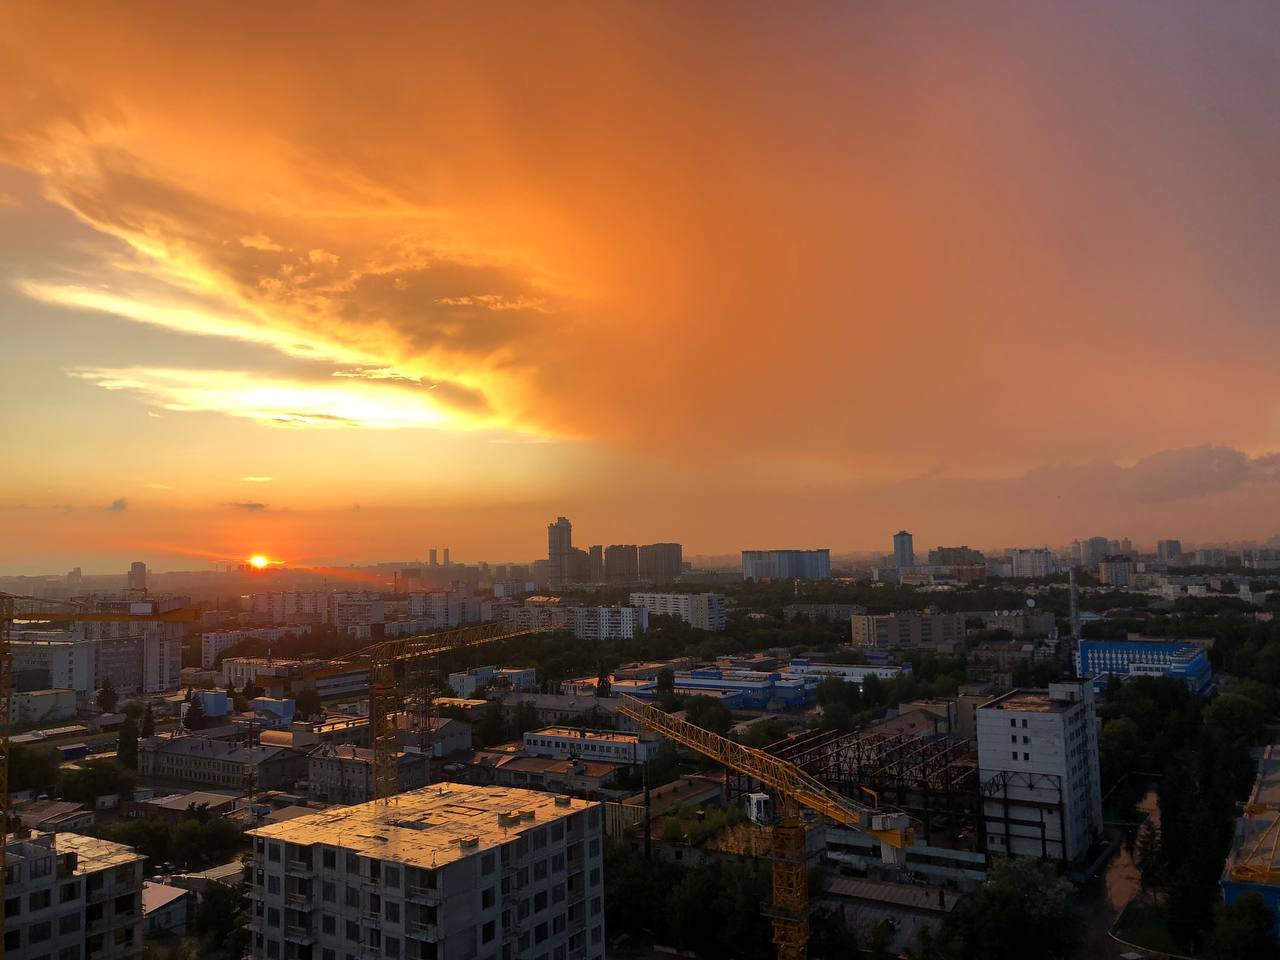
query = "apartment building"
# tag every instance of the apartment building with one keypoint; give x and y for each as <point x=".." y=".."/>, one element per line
<point x="608" y="623"/>
<point x="448" y="871"/>
<point x="706" y="611"/>
<point x="70" y="660"/>
<point x="1038" y="763"/>
<point x="288" y="607"/>
<point x="203" y="761"/>
<point x="349" y="611"/>
<point x="72" y="897"/>
<point x="909" y="629"/>
<point x="344" y="774"/>
<point x="786" y="564"/>
<point x="216" y="642"/>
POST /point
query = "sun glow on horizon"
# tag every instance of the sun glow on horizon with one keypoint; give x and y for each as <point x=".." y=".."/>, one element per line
<point x="258" y="561"/>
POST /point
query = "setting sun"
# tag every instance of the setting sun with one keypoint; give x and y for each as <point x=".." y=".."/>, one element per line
<point x="259" y="561"/>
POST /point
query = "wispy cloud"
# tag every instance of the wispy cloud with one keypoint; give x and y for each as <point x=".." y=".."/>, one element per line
<point x="158" y="486"/>
<point x="251" y="506"/>
<point x="278" y="401"/>
<point x="119" y="505"/>
<point x="257" y="479"/>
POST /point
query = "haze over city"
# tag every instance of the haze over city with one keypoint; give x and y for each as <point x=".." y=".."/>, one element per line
<point x="733" y="275"/>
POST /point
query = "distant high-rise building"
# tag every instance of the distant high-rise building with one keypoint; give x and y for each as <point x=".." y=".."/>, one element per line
<point x="597" y="563"/>
<point x="432" y="557"/>
<point x="137" y="575"/>
<point x="1115" y="571"/>
<point x="1032" y="562"/>
<point x="786" y="564"/>
<point x="904" y="554"/>
<point x="559" y="551"/>
<point x="446" y="556"/>
<point x="1168" y="549"/>
<point x="1090" y="552"/>
<point x="660" y="562"/>
<point x="952" y="556"/>
<point x="621" y="563"/>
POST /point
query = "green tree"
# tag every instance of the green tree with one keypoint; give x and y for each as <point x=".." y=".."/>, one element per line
<point x="603" y="686"/>
<point x="195" y="718"/>
<point x="132" y="708"/>
<point x="1023" y="902"/>
<point x="33" y="767"/>
<point x="91" y="779"/>
<point x="149" y="722"/>
<point x="873" y="693"/>
<point x="709" y="714"/>
<point x="492" y="728"/>
<point x="1245" y="928"/>
<point x="524" y="718"/>
<point x="127" y="746"/>
<point x="219" y="919"/>
<point x="107" y="696"/>
<point x="307" y="702"/>
<point x="1120" y="748"/>
<point x="1147" y="856"/>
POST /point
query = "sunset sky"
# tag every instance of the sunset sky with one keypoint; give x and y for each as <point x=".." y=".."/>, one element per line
<point x="333" y="284"/>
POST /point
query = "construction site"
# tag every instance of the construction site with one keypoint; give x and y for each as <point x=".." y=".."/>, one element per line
<point x="892" y="822"/>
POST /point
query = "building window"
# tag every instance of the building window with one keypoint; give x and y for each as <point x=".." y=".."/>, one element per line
<point x="1026" y="756"/>
<point x="391" y="947"/>
<point x="486" y="898"/>
<point x="487" y="932"/>
<point x="328" y="892"/>
<point x="273" y="854"/>
<point x="393" y="912"/>
<point x="1013" y="738"/>
<point x="329" y="924"/>
<point x="353" y="931"/>
<point x="1015" y="754"/>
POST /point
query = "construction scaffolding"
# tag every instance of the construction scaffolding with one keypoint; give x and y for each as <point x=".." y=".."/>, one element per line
<point x="932" y="776"/>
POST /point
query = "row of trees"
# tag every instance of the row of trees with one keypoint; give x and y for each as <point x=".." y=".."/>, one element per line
<point x="196" y="841"/>
<point x="1201" y="755"/>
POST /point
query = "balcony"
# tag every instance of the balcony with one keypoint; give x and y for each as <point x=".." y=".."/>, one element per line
<point x="297" y="901"/>
<point x="299" y="935"/>
<point x="422" y="931"/>
<point x="427" y="895"/>
<point x="297" y="868"/>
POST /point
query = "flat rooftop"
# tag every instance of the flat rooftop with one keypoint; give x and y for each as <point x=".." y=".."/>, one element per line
<point x="1026" y="701"/>
<point x="422" y="828"/>
<point x="93" y="854"/>
<point x="574" y="733"/>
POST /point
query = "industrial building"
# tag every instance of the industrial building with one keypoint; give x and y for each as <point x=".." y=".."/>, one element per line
<point x="917" y="629"/>
<point x="736" y="689"/>
<point x="1038" y="761"/>
<point x="564" y="743"/>
<point x="1188" y="662"/>
<point x="854" y="673"/>
<point x="69" y="895"/>
<point x="705" y="611"/>
<point x="786" y="564"/>
<point x="446" y="871"/>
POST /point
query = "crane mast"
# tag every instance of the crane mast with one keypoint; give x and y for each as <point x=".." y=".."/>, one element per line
<point x="793" y="790"/>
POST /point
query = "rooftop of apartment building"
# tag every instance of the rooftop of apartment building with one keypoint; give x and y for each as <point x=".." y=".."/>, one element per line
<point x="429" y="827"/>
<point x="91" y="853"/>
<point x="201" y="746"/>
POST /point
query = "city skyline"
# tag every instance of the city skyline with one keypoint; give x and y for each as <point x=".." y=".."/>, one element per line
<point x="994" y="273"/>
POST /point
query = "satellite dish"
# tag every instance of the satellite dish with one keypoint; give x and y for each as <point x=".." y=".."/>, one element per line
<point x="1030" y="603"/>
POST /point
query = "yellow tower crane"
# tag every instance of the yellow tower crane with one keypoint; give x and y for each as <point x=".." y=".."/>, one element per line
<point x="14" y="607"/>
<point x="792" y="789"/>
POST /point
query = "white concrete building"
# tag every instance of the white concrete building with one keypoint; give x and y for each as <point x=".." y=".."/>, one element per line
<point x="446" y="608"/>
<point x="854" y="673"/>
<point x="467" y="683"/>
<point x="706" y="611"/>
<point x="563" y="743"/>
<point x="216" y="642"/>
<point x="448" y="871"/>
<point x="351" y="610"/>
<point x="69" y="895"/>
<point x="70" y="659"/>
<point x="37" y="707"/>
<point x="608" y="623"/>
<point x="289" y="606"/>
<point x="1032" y="562"/>
<point x="1038" y="764"/>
